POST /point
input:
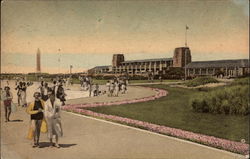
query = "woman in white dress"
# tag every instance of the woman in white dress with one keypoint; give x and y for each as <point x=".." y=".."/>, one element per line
<point x="52" y="115"/>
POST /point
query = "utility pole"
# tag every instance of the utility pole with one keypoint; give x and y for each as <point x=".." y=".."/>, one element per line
<point x="59" y="61"/>
<point x="70" y="69"/>
<point x="185" y="64"/>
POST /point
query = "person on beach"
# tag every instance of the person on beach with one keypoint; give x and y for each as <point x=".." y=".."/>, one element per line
<point x="7" y="100"/>
<point x="123" y="88"/>
<point x="45" y="92"/>
<point x="60" y="94"/>
<point x="108" y="88"/>
<point x="41" y="88"/>
<point x="35" y="109"/>
<point x="96" y="91"/>
<point x="23" y="94"/>
<point x="116" y="90"/>
<point x="112" y="89"/>
<point x="53" y="118"/>
<point x="18" y="88"/>
<point x="90" y="89"/>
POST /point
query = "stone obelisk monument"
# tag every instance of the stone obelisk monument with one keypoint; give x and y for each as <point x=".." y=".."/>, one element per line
<point x="38" y="61"/>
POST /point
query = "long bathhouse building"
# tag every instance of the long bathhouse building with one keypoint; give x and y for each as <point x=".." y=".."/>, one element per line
<point x="227" y="68"/>
<point x="181" y="59"/>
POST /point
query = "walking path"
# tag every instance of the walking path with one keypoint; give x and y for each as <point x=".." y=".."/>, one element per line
<point x="85" y="137"/>
<point x="132" y="93"/>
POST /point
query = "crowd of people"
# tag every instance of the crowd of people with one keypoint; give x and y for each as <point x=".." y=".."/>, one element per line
<point x="45" y="108"/>
<point x="48" y="99"/>
<point x="115" y="86"/>
<point x="21" y="88"/>
<point x="57" y="87"/>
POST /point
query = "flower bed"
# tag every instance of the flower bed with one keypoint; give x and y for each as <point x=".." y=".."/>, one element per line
<point x="232" y="146"/>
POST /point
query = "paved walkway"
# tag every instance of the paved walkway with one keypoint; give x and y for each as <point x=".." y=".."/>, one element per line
<point x="132" y="93"/>
<point x="86" y="137"/>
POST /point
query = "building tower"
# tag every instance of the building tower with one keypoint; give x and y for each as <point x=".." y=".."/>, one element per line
<point x="117" y="60"/>
<point x="38" y="61"/>
<point x="179" y="59"/>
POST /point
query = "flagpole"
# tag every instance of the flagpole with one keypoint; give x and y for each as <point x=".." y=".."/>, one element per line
<point x="186" y="37"/>
<point x="185" y="65"/>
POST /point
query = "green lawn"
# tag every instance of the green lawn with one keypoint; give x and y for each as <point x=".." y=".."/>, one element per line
<point x="174" y="111"/>
<point x="146" y="81"/>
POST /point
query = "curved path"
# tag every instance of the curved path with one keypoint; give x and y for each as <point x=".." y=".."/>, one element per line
<point x="86" y="137"/>
<point x="132" y="93"/>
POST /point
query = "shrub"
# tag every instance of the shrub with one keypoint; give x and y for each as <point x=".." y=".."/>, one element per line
<point x="200" y="81"/>
<point x="174" y="73"/>
<point x="227" y="100"/>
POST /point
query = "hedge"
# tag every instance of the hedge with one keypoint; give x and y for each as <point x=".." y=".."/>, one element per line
<point x="200" y="81"/>
<point x="227" y="100"/>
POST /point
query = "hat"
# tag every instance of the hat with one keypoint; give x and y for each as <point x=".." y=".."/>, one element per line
<point x="6" y="87"/>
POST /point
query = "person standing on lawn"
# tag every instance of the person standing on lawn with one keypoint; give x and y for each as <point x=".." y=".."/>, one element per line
<point x="35" y="109"/>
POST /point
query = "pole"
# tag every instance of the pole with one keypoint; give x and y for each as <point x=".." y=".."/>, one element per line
<point x="186" y="37"/>
<point x="70" y="69"/>
<point x="185" y="65"/>
<point x="59" y="61"/>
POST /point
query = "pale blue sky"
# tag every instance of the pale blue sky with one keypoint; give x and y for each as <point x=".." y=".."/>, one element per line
<point x="89" y="32"/>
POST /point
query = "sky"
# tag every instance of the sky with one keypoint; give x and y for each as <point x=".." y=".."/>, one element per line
<point x="87" y="33"/>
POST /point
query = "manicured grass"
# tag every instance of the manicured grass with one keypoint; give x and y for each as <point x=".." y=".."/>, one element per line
<point x="200" y="81"/>
<point x="155" y="81"/>
<point x="174" y="111"/>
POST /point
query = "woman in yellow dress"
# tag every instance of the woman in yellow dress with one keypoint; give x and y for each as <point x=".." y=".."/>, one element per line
<point x="35" y="109"/>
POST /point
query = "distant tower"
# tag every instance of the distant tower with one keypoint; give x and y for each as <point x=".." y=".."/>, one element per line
<point x="38" y="61"/>
<point x="179" y="59"/>
<point x="117" y="60"/>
